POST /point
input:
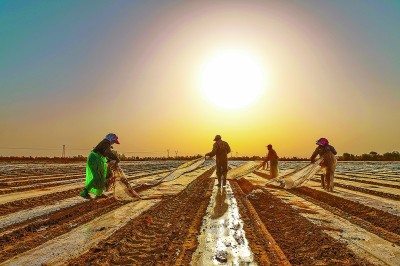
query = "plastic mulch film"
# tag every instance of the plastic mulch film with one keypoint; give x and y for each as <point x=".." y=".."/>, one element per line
<point x="184" y="168"/>
<point x="298" y="177"/>
<point x="189" y="163"/>
<point x="243" y="170"/>
<point x="180" y="170"/>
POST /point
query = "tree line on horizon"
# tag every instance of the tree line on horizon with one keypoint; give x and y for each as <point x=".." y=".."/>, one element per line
<point x="372" y="156"/>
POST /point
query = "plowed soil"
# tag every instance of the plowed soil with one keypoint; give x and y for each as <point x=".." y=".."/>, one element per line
<point x="39" y="186"/>
<point x="262" y="244"/>
<point x="35" y="233"/>
<point x="369" y="191"/>
<point x="19" y="205"/>
<point x="372" y="215"/>
<point x="368" y="182"/>
<point x="303" y="242"/>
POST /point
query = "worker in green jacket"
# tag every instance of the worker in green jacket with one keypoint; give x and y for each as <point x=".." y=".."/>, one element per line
<point x="96" y="166"/>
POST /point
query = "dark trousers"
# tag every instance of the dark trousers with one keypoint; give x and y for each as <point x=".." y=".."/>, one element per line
<point x="221" y="171"/>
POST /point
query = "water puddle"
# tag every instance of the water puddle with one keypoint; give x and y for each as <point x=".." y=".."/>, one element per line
<point x="223" y="240"/>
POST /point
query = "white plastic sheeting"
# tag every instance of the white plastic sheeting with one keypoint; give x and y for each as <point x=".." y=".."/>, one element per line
<point x="299" y="176"/>
<point x="180" y="170"/>
<point x="243" y="170"/>
<point x="184" y="168"/>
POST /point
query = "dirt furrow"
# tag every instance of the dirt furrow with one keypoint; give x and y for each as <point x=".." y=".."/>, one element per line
<point x="263" y="245"/>
<point x="381" y="223"/>
<point x="39" y="186"/>
<point x="43" y="229"/>
<point x="16" y="219"/>
<point x="19" y="177"/>
<point x="367" y="182"/>
<point x="19" y="205"/>
<point x="369" y="191"/>
<point x="303" y="242"/>
<point x="157" y="236"/>
<point x="372" y="174"/>
<point x="15" y="184"/>
<point x="190" y="243"/>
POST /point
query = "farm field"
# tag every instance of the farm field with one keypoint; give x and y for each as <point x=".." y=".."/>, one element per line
<point x="190" y="221"/>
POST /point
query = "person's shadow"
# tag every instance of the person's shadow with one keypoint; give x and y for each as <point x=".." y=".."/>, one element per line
<point x="220" y="205"/>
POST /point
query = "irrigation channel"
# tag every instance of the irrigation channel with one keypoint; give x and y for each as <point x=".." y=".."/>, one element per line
<point x="188" y="220"/>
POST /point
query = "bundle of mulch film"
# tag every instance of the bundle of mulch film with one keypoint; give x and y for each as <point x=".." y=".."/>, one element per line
<point x="118" y="183"/>
<point x="238" y="174"/>
<point x="297" y="178"/>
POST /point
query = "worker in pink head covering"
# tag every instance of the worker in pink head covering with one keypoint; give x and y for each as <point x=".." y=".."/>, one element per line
<point x="327" y="153"/>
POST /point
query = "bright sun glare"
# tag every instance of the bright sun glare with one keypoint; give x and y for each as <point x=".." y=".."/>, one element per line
<point x="232" y="80"/>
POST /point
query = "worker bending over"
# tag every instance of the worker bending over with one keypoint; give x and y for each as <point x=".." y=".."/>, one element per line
<point x="96" y="166"/>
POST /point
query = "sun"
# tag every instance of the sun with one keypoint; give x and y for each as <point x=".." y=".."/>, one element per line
<point x="232" y="80"/>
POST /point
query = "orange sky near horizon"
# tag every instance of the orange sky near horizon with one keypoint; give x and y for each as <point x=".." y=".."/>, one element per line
<point x="141" y="80"/>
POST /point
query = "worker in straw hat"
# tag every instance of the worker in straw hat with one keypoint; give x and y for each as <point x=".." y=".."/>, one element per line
<point x="220" y="150"/>
<point x="96" y="166"/>
<point x="327" y="153"/>
<point x="272" y="156"/>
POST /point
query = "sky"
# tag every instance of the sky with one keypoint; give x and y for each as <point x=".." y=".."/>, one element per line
<point x="73" y="71"/>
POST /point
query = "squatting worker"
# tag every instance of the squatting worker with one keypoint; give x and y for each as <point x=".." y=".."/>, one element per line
<point x="96" y="166"/>
<point x="221" y="150"/>
<point x="327" y="153"/>
<point x="273" y="158"/>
